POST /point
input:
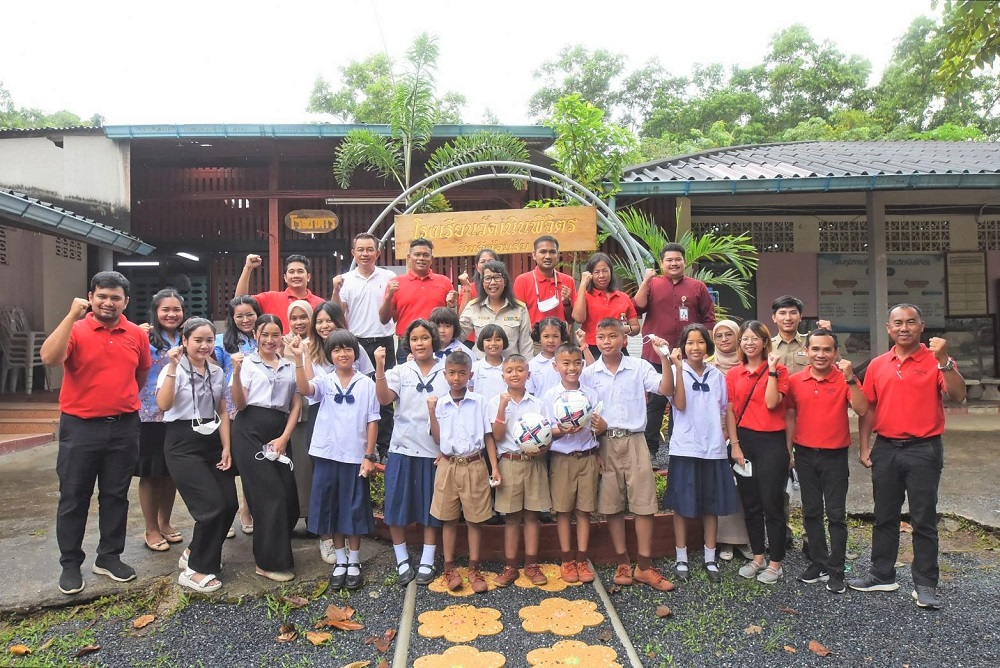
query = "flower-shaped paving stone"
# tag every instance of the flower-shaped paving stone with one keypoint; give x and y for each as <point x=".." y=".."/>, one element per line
<point x="466" y="589"/>
<point x="551" y="571"/>
<point x="560" y="616"/>
<point x="460" y="623"/>
<point x="573" y="653"/>
<point x="462" y="656"/>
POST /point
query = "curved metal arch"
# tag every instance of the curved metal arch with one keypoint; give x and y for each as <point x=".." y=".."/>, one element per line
<point x="606" y="216"/>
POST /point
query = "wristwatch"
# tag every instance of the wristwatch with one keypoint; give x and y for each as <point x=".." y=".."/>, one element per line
<point x="949" y="365"/>
<point x="852" y="381"/>
<point x="373" y="458"/>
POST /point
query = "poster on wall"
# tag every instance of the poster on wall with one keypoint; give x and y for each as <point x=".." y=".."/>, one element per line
<point x="844" y="285"/>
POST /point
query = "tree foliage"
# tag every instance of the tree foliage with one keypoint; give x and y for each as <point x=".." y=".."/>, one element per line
<point x="972" y="30"/>
<point x="12" y="116"/>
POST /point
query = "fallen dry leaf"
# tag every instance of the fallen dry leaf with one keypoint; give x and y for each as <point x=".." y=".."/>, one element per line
<point x="818" y="648"/>
<point x="333" y="613"/>
<point x="287" y="633"/>
<point x="382" y="642"/>
<point x="295" y="601"/>
<point x="143" y="621"/>
<point x="753" y="629"/>
<point x="904" y="527"/>
<point x="20" y="650"/>
<point x="790" y="649"/>
<point x="346" y="625"/>
<point x="663" y="611"/>
<point x="87" y="649"/>
<point x="318" y="637"/>
<point x="320" y="589"/>
<point x="605" y="635"/>
<point x="358" y="664"/>
<point x="339" y="618"/>
<point x="788" y="611"/>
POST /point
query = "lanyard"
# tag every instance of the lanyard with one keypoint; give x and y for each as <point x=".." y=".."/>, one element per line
<point x="535" y="279"/>
<point x="207" y="381"/>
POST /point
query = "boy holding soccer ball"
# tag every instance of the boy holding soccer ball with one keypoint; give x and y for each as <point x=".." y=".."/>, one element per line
<point x="574" y="469"/>
<point x="627" y="481"/>
<point x="459" y="424"/>
<point x="525" y="488"/>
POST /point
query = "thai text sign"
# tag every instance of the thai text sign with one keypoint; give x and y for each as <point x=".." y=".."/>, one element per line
<point x="459" y="233"/>
<point x="312" y="221"/>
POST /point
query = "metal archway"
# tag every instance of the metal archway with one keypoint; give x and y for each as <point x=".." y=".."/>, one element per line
<point x="606" y="217"/>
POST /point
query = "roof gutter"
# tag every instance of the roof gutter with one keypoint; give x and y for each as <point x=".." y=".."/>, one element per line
<point x="36" y="215"/>
<point x="809" y="184"/>
<point x="305" y="131"/>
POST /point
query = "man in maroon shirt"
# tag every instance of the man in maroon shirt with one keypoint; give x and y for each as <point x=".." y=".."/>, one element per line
<point x="276" y="302"/>
<point x="670" y="302"/>
<point x="105" y="360"/>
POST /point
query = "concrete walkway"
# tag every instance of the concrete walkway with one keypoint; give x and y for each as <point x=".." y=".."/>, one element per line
<point x="29" y="557"/>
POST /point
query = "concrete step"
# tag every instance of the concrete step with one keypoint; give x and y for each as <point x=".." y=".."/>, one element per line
<point x="8" y="411"/>
<point x="16" y="442"/>
<point x="26" y="425"/>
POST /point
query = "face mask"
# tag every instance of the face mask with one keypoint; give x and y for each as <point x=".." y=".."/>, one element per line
<point x="206" y="427"/>
<point x="548" y="304"/>
<point x="271" y="455"/>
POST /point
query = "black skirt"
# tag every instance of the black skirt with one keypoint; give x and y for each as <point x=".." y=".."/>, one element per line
<point x="151" y="462"/>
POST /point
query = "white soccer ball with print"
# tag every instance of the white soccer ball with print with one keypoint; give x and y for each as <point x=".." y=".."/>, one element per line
<point x="531" y="433"/>
<point x="572" y="409"/>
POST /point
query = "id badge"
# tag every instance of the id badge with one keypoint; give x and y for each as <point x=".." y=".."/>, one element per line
<point x="683" y="313"/>
<point x="548" y="304"/>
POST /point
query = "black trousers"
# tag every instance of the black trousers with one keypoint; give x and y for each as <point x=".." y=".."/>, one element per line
<point x="912" y="471"/>
<point x="269" y="487"/>
<point x="823" y="475"/>
<point x="763" y="494"/>
<point x="210" y="494"/>
<point x="101" y="451"/>
<point x="656" y="406"/>
<point x="386" y="413"/>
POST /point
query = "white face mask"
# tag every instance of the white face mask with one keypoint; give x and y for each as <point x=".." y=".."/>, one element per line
<point x="271" y="455"/>
<point x="206" y="427"/>
<point x="548" y="304"/>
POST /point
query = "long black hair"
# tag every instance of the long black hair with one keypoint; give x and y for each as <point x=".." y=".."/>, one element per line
<point x="231" y="339"/>
<point x="156" y="338"/>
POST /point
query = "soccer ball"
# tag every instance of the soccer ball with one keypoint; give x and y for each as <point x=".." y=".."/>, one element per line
<point x="532" y="432"/>
<point x="572" y="409"/>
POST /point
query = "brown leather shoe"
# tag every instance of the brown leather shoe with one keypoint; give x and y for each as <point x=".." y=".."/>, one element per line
<point x="477" y="581"/>
<point x="452" y="580"/>
<point x="623" y="575"/>
<point x="584" y="572"/>
<point x="653" y="578"/>
<point x="567" y="571"/>
<point x="507" y="576"/>
<point x="533" y="573"/>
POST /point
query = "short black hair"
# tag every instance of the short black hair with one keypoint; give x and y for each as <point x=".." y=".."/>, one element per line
<point x="611" y="323"/>
<point x="420" y="241"/>
<point x="298" y="258"/>
<point x="672" y="248"/>
<point x="192" y="324"/>
<point x="443" y="315"/>
<point x="569" y="348"/>
<point x="546" y="237"/>
<point x="365" y="235"/>
<point x="109" y="279"/>
<point x="459" y="358"/>
<point x="697" y="327"/>
<point x="488" y="332"/>
<point x="823" y="332"/>
<point x="786" y="301"/>
<point x="920" y="314"/>
<point x="267" y="319"/>
<point x="431" y="329"/>
<point x="340" y="338"/>
<point x="516" y="357"/>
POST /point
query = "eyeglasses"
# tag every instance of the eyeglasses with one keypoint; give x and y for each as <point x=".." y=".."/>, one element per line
<point x="245" y="316"/>
<point x="492" y="279"/>
<point x="750" y="339"/>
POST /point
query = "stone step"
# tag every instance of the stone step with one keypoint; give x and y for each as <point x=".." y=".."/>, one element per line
<point x="23" y="425"/>
<point x="9" y="411"/>
<point x="16" y="442"/>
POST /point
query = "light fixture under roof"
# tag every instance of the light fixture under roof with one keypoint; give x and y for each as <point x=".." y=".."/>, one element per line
<point x="139" y="263"/>
<point x="187" y="256"/>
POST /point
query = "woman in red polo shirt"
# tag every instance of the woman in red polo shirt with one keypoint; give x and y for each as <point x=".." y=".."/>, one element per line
<point x="599" y="297"/>
<point x="755" y="423"/>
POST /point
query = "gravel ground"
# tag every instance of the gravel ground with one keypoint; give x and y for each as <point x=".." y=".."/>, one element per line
<point x="711" y="624"/>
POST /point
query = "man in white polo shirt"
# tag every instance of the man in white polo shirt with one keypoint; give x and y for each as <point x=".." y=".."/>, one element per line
<point x="360" y="292"/>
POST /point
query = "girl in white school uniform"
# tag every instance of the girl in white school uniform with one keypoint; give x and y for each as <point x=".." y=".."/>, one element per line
<point x="263" y="387"/>
<point x="343" y="452"/>
<point x="190" y="392"/>
<point x="487" y="373"/>
<point x="409" y="473"/>
<point x="550" y="333"/>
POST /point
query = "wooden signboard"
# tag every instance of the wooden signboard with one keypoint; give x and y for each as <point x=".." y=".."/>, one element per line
<point x="312" y="221"/>
<point x="460" y="233"/>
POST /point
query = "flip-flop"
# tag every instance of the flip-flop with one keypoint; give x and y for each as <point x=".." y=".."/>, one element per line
<point x="158" y="546"/>
<point x="174" y="537"/>
<point x="247" y="528"/>
<point x="185" y="579"/>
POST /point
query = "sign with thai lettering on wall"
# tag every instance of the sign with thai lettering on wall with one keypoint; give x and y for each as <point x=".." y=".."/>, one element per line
<point x="460" y="233"/>
<point x="312" y="221"/>
<point x="844" y="286"/>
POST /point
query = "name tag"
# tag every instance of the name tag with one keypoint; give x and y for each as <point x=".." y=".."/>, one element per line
<point x="683" y="313"/>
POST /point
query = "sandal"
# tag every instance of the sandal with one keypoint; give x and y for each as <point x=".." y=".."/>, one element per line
<point x="172" y="537"/>
<point x="161" y="545"/>
<point x="247" y="528"/>
<point x="186" y="579"/>
<point x="277" y="576"/>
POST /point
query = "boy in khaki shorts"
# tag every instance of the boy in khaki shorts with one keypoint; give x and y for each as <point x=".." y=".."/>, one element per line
<point x="461" y="483"/>
<point x="621" y="383"/>
<point x="524" y="491"/>
<point x="574" y="467"/>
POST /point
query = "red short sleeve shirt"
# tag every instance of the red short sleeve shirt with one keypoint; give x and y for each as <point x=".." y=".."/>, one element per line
<point x="820" y="405"/>
<point x="100" y="368"/>
<point x="417" y="296"/>
<point x="740" y="383"/>
<point x="905" y="395"/>
<point x="532" y="287"/>
<point x="602" y="304"/>
<point x="276" y="303"/>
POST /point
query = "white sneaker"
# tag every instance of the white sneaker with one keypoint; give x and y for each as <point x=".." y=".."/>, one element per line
<point x="726" y="553"/>
<point x="326" y="551"/>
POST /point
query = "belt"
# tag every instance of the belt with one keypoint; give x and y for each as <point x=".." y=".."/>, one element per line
<point x="579" y="454"/>
<point x="373" y="339"/>
<point x="464" y="460"/>
<point x="906" y="442"/>
<point x="620" y="433"/>
<point x="108" y="418"/>
<point x="517" y="456"/>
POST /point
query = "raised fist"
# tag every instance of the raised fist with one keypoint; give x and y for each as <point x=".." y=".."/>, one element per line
<point x="78" y="308"/>
<point x="463" y="279"/>
<point x="650" y="273"/>
<point x="237" y="360"/>
<point x="175" y="354"/>
<point x="939" y="347"/>
<point x="338" y="282"/>
<point x="451" y="300"/>
<point x="253" y="261"/>
<point x="585" y="279"/>
<point x="847" y="368"/>
<point x="772" y="360"/>
<point x="380" y="357"/>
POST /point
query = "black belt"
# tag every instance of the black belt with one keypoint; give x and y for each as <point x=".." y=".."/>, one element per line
<point x="373" y="339"/>
<point x="907" y="442"/>
<point x="107" y="418"/>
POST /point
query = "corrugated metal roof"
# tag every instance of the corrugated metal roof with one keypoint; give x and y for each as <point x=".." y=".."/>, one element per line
<point x="304" y="130"/>
<point x="38" y="215"/>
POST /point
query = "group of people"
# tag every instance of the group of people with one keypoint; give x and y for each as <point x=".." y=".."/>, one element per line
<point x="302" y="397"/>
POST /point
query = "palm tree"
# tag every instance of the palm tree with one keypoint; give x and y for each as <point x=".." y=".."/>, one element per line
<point x="414" y="107"/>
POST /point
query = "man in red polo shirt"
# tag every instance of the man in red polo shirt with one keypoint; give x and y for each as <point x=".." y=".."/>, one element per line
<point x="276" y="303"/>
<point x="670" y="302"/>
<point x="105" y="360"/>
<point x="818" y="397"/>
<point x="546" y="293"/>
<point x="904" y="388"/>
<point x="416" y="293"/>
